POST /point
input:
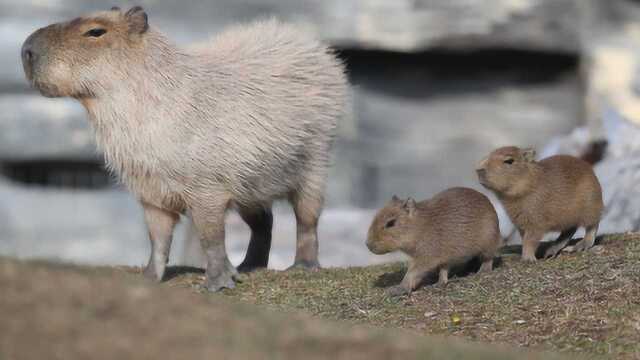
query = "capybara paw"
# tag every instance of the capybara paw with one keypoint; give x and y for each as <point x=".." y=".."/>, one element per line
<point x="151" y="274"/>
<point x="598" y="249"/>
<point x="305" y="265"/>
<point x="529" y="258"/>
<point x="575" y="248"/>
<point x="581" y="246"/>
<point x="551" y="252"/>
<point x="220" y="282"/>
<point x="397" y="290"/>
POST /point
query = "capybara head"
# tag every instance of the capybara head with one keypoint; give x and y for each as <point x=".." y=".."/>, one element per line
<point x="391" y="227"/>
<point x="507" y="170"/>
<point x="79" y="57"/>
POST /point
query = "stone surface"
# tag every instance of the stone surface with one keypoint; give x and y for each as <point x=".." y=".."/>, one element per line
<point x="401" y="25"/>
<point x="420" y="122"/>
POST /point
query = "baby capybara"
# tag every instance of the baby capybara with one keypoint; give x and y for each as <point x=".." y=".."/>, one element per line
<point x="559" y="193"/>
<point x="448" y="229"/>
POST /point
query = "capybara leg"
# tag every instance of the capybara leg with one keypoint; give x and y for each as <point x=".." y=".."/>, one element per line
<point x="410" y="282"/>
<point x="160" y="224"/>
<point x="307" y="209"/>
<point x="560" y="242"/>
<point x="261" y="222"/>
<point x="443" y="278"/>
<point x="209" y="223"/>
<point x="486" y="266"/>
<point x="588" y="241"/>
<point x="530" y="243"/>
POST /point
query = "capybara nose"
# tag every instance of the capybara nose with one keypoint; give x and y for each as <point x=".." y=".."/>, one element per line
<point x="28" y="57"/>
<point x="27" y="54"/>
<point x="369" y="243"/>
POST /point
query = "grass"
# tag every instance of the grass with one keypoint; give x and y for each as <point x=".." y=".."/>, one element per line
<point x="586" y="303"/>
<point x="64" y="312"/>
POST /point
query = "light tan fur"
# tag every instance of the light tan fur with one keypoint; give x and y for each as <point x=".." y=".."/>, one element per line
<point x="448" y="229"/>
<point x="237" y="122"/>
<point x="559" y="193"/>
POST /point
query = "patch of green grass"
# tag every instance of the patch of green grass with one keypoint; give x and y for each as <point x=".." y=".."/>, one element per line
<point x="587" y="303"/>
<point x="50" y="311"/>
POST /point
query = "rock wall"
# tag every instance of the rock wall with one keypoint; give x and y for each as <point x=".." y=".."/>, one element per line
<point x="437" y="83"/>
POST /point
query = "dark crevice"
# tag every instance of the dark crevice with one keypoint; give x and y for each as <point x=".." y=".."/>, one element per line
<point x="444" y="72"/>
<point x="58" y="174"/>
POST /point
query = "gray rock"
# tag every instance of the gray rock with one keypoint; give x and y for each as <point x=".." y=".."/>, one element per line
<point x="415" y="130"/>
<point x="398" y="25"/>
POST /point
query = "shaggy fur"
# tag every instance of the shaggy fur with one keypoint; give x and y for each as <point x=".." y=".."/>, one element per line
<point x="242" y="120"/>
<point x="448" y="229"/>
<point x="559" y="193"/>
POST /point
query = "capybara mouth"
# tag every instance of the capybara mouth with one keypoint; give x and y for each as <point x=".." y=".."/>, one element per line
<point x="374" y="249"/>
<point x="482" y="177"/>
<point x="47" y="90"/>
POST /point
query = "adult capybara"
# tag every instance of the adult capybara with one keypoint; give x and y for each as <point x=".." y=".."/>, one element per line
<point x="240" y="121"/>
<point x="448" y="229"/>
<point x="559" y="193"/>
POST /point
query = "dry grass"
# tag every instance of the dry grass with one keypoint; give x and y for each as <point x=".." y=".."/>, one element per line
<point x="63" y="312"/>
<point x="586" y="303"/>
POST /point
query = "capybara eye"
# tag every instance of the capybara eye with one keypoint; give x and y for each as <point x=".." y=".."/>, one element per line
<point x="508" y="161"/>
<point x="390" y="223"/>
<point x="95" y="32"/>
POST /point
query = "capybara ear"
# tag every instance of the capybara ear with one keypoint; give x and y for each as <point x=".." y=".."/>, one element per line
<point x="410" y="206"/>
<point x="138" y="20"/>
<point x="529" y="154"/>
<point x="395" y="199"/>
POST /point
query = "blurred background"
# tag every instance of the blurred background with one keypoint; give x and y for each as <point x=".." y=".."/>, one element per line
<point x="437" y="85"/>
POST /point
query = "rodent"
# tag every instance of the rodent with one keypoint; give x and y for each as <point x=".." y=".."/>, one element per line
<point x="448" y="229"/>
<point x="559" y="193"/>
<point x="239" y="121"/>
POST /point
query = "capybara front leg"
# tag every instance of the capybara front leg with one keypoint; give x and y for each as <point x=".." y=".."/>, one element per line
<point x="443" y="277"/>
<point x="160" y="224"/>
<point x="260" y="221"/>
<point x="530" y="242"/>
<point x="412" y="279"/>
<point x="209" y="224"/>
<point x="486" y="266"/>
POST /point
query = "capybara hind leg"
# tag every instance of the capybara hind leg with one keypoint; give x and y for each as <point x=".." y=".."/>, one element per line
<point x="560" y="242"/>
<point x="208" y="219"/>
<point x="260" y="221"/>
<point x="587" y="242"/>
<point x="530" y="242"/>
<point x="307" y="209"/>
<point x="486" y="266"/>
<point x="160" y="224"/>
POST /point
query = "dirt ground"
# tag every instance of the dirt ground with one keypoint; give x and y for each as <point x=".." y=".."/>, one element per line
<point x="62" y="312"/>
<point x="577" y="305"/>
<point x="586" y="304"/>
